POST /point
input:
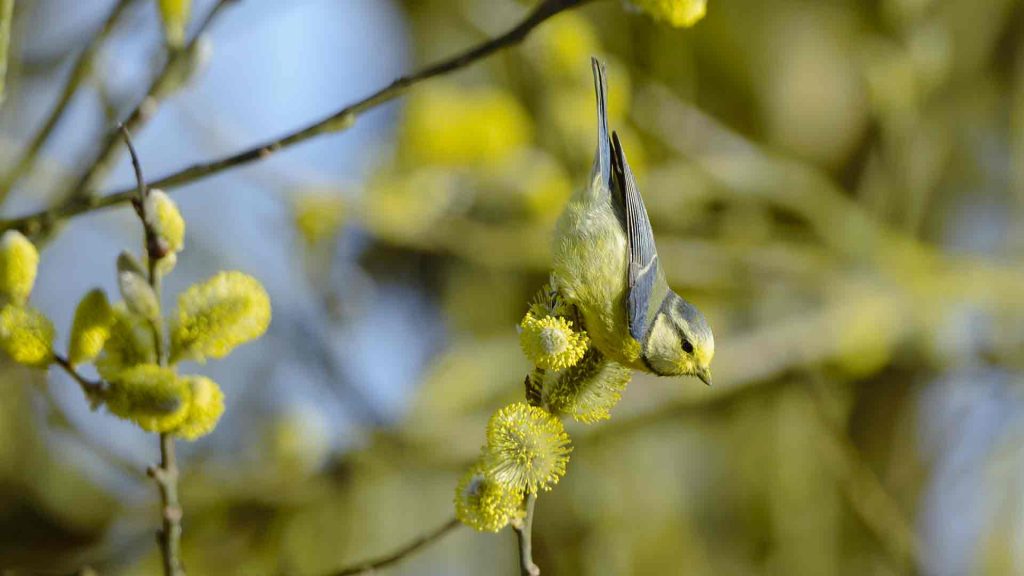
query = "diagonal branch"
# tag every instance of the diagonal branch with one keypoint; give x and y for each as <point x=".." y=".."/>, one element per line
<point x="371" y="566"/>
<point x="145" y="109"/>
<point x="339" y="121"/>
<point x="79" y="72"/>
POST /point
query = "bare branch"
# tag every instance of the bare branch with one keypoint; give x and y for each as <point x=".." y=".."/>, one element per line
<point x="79" y="72"/>
<point x="340" y="120"/>
<point x="416" y="545"/>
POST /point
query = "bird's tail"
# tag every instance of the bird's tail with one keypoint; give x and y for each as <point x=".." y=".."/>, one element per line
<point x="603" y="157"/>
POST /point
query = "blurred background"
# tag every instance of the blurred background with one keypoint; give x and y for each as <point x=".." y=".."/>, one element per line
<point x="838" y="184"/>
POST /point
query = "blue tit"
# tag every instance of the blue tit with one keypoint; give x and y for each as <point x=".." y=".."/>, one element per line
<point x="606" y="264"/>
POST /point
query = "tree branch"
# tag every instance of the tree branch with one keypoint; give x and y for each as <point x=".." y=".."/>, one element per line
<point x="416" y="545"/>
<point x="342" y="119"/>
<point x="165" y="475"/>
<point x="524" y="533"/>
<point x="79" y="72"/>
<point x="94" y="389"/>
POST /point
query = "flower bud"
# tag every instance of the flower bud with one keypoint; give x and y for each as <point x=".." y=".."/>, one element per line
<point x="174" y="14"/>
<point x="135" y="289"/>
<point x="163" y="217"/>
<point x="26" y="335"/>
<point x="527" y="448"/>
<point x="550" y="342"/>
<point x="19" y="262"/>
<point x="91" y="327"/>
<point x="213" y="317"/>
<point x="204" y="410"/>
<point x="483" y="504"/>
<point x="152" y="396"/>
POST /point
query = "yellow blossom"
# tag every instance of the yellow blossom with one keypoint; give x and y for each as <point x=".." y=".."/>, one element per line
<point x="562" y="44"/>
<point x="677" y="13"/>
<point x="453" y="125"/>
<point x="213" y="317"/>
<point x="19" y="262"/>
<point x="550" y="342"/>
<point x="204" y="410"/>
<point x="482" y="503"/>
<point x="527" y="448"/>
<point x="318" y="216"/>
<point x="152" y="396"/>
<point x="163" y="216"/>
<point x="589" y="390"/>
<point x="130" y="343"/>
<point x="91" y="327"/>
<point x="175" y="15"/>
<point x="26" y="335"/>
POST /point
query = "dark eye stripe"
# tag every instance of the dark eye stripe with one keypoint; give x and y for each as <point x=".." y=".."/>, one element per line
<point x="687" y="347"/>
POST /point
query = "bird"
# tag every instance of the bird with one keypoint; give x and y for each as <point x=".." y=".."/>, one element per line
<point x="606" y="265"/>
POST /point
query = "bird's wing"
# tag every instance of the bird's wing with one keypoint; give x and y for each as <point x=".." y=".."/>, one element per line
<point x="643" y="257"/>
<point x="602" y="159"/>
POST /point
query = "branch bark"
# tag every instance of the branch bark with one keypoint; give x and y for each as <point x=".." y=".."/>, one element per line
<point x="33" y="224"/>
<point x="524" y="533"/>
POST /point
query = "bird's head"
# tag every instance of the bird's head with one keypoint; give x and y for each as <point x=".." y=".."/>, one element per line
<point x="680" y="342"/>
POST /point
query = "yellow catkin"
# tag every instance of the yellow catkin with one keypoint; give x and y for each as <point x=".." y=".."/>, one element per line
<point x="163" y="216"/>
<point x="26" y="335"/>
<point x="205" y="408"/>
<point x="677" y="13"/>
<point x="550" y="342"/>
<point x="527" y="448"/>
<point x="449" y="125"/>
<point x="213" y="317"/>
<point x="589" y="390"/>
<point x="130" y="343"/>
<point x="91" y="327"/>
<point x="318" y="216"/>
<point x="484" y="504"/>
<point x="152" y="396"/>
<point x="19" y="262"/>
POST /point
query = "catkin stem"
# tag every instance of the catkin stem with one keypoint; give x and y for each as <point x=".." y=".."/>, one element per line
<point x="524" y="533"/>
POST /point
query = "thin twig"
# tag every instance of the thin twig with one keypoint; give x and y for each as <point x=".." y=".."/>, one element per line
<point x="79" y="72"/>
<point x="94" y="389"/>
<point x="6" y="16"/>
<point x="336" y="122"/>
<point x="524" y="534"/>
<point x="165" y="475"/>
<point x="409" y="549"/>
<point x="101" y="165"/>
<point x="169" y="536"/>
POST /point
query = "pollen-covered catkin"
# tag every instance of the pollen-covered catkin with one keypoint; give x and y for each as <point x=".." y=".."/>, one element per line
<point x="165" y="219"/>
<point x="26" y="335"/>
<point x="484" y="504"/>
<point x="589" y="390"/>
<point x="19" y="261"/>
<point x="527" y="448"/>
<point x="550" y="342"/>
<point x="215" y="316"/>
<point x="205" y="408"/>
<point x="152" y="396"/>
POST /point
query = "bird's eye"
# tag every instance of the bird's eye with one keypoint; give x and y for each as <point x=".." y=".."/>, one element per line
<point x="687" y="347"/>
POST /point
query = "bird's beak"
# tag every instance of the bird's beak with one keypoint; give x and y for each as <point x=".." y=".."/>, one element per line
<point x="705" y="375"/>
